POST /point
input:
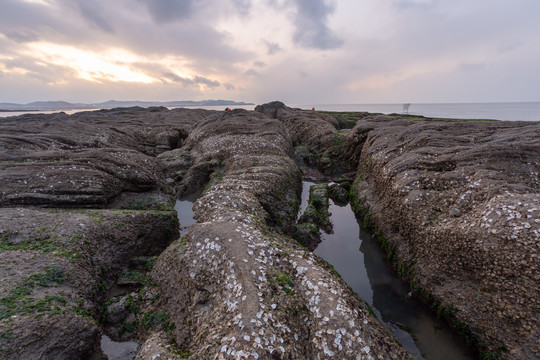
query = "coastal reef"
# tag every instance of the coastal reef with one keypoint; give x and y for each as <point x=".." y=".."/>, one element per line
<point x="457" y="207"/>
<point x="90" y="249"/>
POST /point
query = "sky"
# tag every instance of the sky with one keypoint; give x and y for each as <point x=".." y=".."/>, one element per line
<point x="295" y="51"/>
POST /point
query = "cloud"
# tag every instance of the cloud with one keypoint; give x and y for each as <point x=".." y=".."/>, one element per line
<point x="312" y="30"/>
<point x="272" y="47"/>
<point x="414" y="4"/>
<point x="381" y="50"/>
<point x="169" y="10"/>
<point x="23" y="35"/>
<point x="196" y="80"/>
<point x="173" y="77"/>
<point x="242" y="6"/>
<point x="92" y="12"/>
<point x="252" y="73"/>
<point x="201" y="80"/>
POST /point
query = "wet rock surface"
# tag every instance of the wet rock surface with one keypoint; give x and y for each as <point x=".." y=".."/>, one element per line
<point x="457" y="205"/>
<point x="84" y="212"/>
<point x="315" y="217"/>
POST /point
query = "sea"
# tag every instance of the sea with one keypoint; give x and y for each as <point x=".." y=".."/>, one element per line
<point x="511" y="111"/>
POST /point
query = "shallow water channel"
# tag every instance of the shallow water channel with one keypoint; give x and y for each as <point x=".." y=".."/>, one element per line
<point x="184" y="209"/>
<point x="360" y="260"/>
<point x="125" y="350"/>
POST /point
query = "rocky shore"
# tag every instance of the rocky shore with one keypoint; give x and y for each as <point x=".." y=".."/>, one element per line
<point x="90" y="244"/>
<point x="457" y="206"/>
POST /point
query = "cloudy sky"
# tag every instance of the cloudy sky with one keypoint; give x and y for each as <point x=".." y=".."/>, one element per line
<point x="297" y="51"/>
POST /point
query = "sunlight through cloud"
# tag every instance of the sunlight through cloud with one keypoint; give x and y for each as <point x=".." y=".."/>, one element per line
<point x="111" y="65"/>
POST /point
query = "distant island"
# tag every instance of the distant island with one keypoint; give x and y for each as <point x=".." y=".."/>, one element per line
<point x="64" y="105"/>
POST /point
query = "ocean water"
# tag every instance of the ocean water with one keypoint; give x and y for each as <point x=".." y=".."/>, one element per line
<point x="517" y="111"/>
<point x="511" y="111"/>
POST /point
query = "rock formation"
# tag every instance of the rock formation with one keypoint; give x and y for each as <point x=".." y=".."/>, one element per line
<point x="85" y="209"/>
<point x="89" y="241"/>
<point x="457" y="206"/>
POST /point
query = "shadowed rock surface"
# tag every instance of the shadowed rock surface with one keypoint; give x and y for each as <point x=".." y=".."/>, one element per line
<point x="458" y="204"/>
<point x="55" y="266"/>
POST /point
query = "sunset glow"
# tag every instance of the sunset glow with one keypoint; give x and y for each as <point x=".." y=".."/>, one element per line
<point x="112" y="65"/>
<point x="297" y="51"/>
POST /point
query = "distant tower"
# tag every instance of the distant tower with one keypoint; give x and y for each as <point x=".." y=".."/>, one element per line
<point x="406" y="108"/>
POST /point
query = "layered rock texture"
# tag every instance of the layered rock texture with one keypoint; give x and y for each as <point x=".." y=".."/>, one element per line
<point x="458" y="207"/>
<point x="89" y="244"/>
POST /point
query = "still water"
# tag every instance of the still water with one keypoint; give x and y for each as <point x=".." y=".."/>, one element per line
<point x="357" y="256"/>
<point x="125" y="350"/>
<point x="512" y="111"/>
<point x="360" y="260"/>
<point x="184" y="210"/>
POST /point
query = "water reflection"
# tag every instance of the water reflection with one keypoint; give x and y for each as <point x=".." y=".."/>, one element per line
<point x="304" y="198"/>
<point x="114" y="350"/>
<point x="360" y="260"/>
<point x="184" y="209"/>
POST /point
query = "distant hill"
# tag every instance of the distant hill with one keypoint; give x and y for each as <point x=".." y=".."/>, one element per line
<point x="63" y="105"/>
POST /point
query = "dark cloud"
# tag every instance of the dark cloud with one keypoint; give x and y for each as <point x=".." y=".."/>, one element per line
<point x="169" y="10"/>
<point x="229" y="86"/>
<point x="23" y="35"/>
<point x="173" y="77"/>
<point x="311" y="28"/>
<point x="259" y="63"/>
<point x="242" y="6"/>
<point x="253" y="73"/>
<point x="198" y="80"/>
<point x="272" y="47"/>
<point x="408" y="4"/>
<point x="92" y="11"/>
<point x="205" y="81"/>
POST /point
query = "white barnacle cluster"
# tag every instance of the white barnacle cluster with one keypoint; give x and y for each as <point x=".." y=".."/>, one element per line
<point x="517" y="215"/>
<point x="247" y="317"/>
<point x="334" y="323"/>
<point x="208" y="257"/>
<point x="239" y="265"/>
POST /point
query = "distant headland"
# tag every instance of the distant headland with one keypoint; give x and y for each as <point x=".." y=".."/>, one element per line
<point x="64" y="105"/>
